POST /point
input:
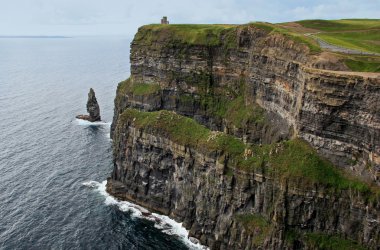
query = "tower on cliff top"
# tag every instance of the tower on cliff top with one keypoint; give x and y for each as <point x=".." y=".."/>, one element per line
<point x="164" y="20"/>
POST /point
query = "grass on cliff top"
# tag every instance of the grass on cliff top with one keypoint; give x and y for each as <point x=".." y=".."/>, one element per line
<point x="368" y="41"/>
<point x="292" y="160"/>
<point x="363" y="63"/>
<point x="193" y="34"/>
<point x="296" y="37"/>
<point x="358" y="34"/>
<point x="341" y="25"/>
<point x="300" y="38"/>
<point x="212" y="34"/>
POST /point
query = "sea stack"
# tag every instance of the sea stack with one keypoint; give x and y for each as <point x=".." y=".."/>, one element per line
<point x="92" y="108"/>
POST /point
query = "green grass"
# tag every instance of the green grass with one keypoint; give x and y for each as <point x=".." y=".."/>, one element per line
<point x="368" y="41"/>
<point x="331" y="242"/>
<point x="227" y="104"/>
<point x="299" y="160"/>
<point x="363" y="63"/>
<point x="265" y="26"/>
<point x="210" y="34"/>
<point x="300" y="38"/>
<point x="357" y="34"/>
<point x="239" y="114"/>
<point x="192" y="34"/>
<point x="297" y="37"/>
<point x="292" y="160"/>
<point x="184" y="131"/>
<point x="341" y="25"/>
<point x="130" y="87"/>
<point x="145" y="89"/>
<point x="256" y="225"/>
<point x="321" y="241"/>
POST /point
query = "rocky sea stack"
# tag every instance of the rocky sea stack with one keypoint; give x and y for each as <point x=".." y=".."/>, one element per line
<point x="92" y="108"/>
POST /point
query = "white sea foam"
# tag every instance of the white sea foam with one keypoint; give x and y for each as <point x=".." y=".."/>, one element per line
<point x="162" y="222"/>
<point x="88" y="123"/>
<point x="91" y="184"/>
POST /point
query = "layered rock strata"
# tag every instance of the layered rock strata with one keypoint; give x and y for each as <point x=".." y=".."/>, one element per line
<point x="337" y="112"/>
<point x="262" y="89"/>
<point x="227" y="204"/>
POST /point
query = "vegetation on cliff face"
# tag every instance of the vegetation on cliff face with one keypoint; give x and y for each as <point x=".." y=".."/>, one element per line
<point x="333" y="242"/>
<point x="255" y="224"/>
<point x="220" y="102"/>
<point x="184" y="131"/>
<point x="292" y="160"/>
<point x="322" y="241"/>
<point x="139" y="89"/>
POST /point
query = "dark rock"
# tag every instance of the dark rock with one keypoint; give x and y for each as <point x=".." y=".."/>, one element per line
<point x="92" y="108"/>
<point x="185" y="184"/>
<point x="336" y="112"/>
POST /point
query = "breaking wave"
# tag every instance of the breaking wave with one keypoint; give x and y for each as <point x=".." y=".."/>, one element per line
<point x="88" y="123"/>
<point x="162" y="222"/>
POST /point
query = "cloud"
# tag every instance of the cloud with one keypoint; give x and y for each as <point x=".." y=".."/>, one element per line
<point x="122" y="17"/>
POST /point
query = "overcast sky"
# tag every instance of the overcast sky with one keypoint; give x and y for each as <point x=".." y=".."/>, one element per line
<point x="123" y="17"/>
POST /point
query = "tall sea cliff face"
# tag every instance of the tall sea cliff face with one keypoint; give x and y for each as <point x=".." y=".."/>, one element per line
<point x="227" y="129"/>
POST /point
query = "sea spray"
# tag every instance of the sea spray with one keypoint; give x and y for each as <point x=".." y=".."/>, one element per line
<point x="88" y="123"/>
<point x="162" y="222"/>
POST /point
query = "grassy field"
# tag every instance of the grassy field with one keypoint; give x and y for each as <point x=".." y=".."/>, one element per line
<point x="363" y="63"/>
<point x="368" y="41"/>
<point x="341" y="25"/>
<point x="297" y="37"/>
<point x="358" y="34"/>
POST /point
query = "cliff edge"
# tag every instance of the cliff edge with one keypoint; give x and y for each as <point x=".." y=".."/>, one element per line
<point x="239" y="132"/>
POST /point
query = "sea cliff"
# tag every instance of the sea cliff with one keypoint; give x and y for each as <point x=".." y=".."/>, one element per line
<point x="243" y="135"/>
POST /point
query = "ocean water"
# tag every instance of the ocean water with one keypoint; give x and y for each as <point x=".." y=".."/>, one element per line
<point x="53" y="167"/>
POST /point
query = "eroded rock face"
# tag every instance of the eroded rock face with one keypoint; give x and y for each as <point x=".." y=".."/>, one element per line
<point x="192" y="187"/>
<point x="92" y="108"/>
<point x="336" y="112"/>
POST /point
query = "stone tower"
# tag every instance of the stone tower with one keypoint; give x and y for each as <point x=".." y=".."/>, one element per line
<point x="164" y="20"/>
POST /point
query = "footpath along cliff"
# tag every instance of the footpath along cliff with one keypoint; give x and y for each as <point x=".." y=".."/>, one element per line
<point x="238" y="132"/>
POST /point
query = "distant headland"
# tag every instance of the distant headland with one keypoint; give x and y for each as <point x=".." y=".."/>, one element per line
<point x="35" y="37"/>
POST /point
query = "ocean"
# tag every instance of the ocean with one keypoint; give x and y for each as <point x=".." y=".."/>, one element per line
<point x="53" y="167"/>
